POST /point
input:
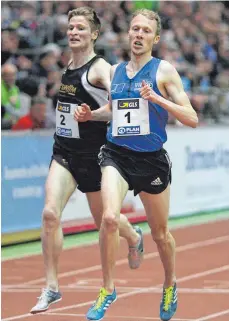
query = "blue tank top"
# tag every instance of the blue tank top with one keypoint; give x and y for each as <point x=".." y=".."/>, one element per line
<point x="123" y="87"/>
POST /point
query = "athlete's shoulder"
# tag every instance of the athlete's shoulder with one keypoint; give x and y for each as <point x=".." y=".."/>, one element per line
<point x="166" y="67"/>
<point x="101" y="64"/>
<point x="167" y="72"/>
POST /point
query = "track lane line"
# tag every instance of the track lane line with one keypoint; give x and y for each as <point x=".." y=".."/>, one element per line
<point x="190" y="246"/>
<point x="124" y="295"/>
<point x="214" y="315"/>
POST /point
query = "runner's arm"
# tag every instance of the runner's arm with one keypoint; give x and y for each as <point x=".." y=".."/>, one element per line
<point x="84" y="113"/>
<point x="104" y="113"/>
<point x="180" y="106"/>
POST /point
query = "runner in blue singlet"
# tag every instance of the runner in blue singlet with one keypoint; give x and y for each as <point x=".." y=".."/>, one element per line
<point x="143" y="91"/>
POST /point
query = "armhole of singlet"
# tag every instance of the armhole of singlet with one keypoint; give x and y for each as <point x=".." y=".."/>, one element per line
<point x="92" y="61"/>
<point x="121" y="66"/>
<point x="159" y="61"/>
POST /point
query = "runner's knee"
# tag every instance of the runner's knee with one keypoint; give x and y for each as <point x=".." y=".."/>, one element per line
<point x="160" y="235"/>
<point x="110" y="222"/>
<point x="50" y="219"/>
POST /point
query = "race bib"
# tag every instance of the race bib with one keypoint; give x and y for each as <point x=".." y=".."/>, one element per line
<point x="130" y="117"/>
<point x="66" y="126"/>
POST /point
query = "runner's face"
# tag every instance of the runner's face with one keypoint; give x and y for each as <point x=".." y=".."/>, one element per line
<point x="142" y="35"/>
<point x="79" y="33"/>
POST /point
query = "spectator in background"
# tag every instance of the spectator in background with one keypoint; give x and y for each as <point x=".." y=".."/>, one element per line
<point x="24" y="65"/>
<point x="149" y="4"/>
<point x="53" y="84"/>
<point x="65" y="57"/>
<point x="10" y="101"/>
<point x="59" y="36"/>
<point x="35" y="119"/>
<point x="52" y="90"/>
<point x="47" y="60"/>
<point x="192" y="32"/>
<point x="10" y="46"/>
<point x="27" y="83"/>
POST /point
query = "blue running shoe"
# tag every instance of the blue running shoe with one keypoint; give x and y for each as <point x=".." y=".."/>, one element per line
<point x="135" y="255"/>
<point x="98" y="309"/>
<point x="47" y="297"/>
<point x="168" y="305"/>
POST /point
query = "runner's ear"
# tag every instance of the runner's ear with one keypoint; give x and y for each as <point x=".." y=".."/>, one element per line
<point x="95" y="35"/>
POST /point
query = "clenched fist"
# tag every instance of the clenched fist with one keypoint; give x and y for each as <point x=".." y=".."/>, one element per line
<point x="148" y="93"/>
<point x="82" y="113"/>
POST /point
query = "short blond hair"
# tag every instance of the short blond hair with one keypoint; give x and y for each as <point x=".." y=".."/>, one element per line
<point x="89" y="14"/>
<point x="151" y="15"/>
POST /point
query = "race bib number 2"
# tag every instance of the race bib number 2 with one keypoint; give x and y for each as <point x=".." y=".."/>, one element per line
<point x="130" y="117"/>
<point x="66" y="126"/>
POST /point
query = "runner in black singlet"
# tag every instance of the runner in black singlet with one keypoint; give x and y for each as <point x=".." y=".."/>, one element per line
<point x="75" y="151"/>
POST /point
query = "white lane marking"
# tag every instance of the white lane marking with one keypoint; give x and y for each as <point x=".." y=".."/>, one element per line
<point x="214" y="315"/>
<point x="124" y="295"/>
<point x="115" y="317"/>
<point x="93" y="268"/>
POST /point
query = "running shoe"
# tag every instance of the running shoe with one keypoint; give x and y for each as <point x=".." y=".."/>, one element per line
<point x="168" y="304"/>
<point x="98" y="309"/>
<point x="47" y="297"/>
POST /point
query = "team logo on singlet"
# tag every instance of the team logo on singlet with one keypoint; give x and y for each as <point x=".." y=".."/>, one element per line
<point x="128" y="104"/>
<point x="64" y="108"/>
<point x="68" y="89"/>
<point x="138" y="85"/>
<point x="117" y="88"/>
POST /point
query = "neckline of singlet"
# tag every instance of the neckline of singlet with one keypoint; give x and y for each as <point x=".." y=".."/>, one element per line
<point x="138" y="70"/>
<point x="91" y="60"/>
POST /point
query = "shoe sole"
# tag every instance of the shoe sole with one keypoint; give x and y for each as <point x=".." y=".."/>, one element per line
<point x="40" y="311"/>
<point x="104" y="313"/>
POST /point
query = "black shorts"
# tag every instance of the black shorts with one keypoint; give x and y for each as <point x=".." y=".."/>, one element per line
<point x="143" y="171"/>
<point x="83" y="167"/>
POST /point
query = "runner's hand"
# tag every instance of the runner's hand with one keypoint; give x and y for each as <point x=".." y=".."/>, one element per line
<point x="148" y="93"/>
<point x="82" y="113"/>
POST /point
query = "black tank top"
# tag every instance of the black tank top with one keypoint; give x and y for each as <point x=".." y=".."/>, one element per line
<point x="75" y="88"/>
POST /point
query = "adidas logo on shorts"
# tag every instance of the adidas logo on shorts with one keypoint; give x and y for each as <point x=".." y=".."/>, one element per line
<point x="157" y="181"/>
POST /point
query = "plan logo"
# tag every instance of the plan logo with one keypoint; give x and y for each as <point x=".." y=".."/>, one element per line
<point x="63" y="132"/>
<point x="129" y="130"/>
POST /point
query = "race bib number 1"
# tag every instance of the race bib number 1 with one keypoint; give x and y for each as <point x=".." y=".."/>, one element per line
<point x="66" y="126"/>
<point x="130" y="117"/>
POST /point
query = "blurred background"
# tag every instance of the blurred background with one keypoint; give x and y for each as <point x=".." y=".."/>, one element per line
<point x="194" y="38"/>
<point x="34" y="47"/>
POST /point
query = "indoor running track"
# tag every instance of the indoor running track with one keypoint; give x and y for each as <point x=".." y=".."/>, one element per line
<point x="202" y="267"/>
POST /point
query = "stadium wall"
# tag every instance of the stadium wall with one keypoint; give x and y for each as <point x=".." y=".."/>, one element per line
<point x="200" y="176"/>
